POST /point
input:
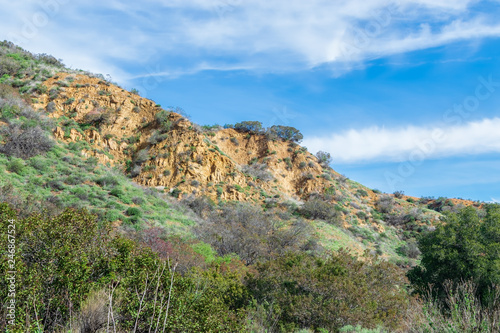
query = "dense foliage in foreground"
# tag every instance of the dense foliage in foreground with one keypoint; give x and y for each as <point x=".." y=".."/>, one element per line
<point x="465" y="247"/>
<point x="72" y="272"/>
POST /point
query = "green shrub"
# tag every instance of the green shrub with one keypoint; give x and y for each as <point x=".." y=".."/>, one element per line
<point x="399" y="194"/>
<point x="66" y="258"/>
<point x="40" y="163"/>
<point x="80" y="192"/>
<point x="112" y="215"/>
<point x="304" y="291"/>
<point x="16" y="165"/>
<point x="142" y="156"/>
<point x="163" y="119"/>
<point x="9" y="66"/>
<point x="138" y="200"/>
<point x="359" y="329"/>
<point x="69" y="101"/>
<point x="361" y="193"/>
<point x="324" y="158"/>
<point x="250" y="233"/>
<point x="464" y="248"/>
<point x="175" y="192"/>
<point x="205" y="250"/>
<point x="319" y="209"/>
<point x="134" y="211"/>
<point x="258" y="171"/>
<point x="330" y="190"/>
<point x="120" y="194"/>
<point x="307" y="176"/>
<point x="385" y="204"/>
<point x="98" y="117"/>
<point x="108" y="180"/>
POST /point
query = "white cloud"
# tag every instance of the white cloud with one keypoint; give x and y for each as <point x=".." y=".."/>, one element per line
<point x="265" y="35"/>
<point x="410" y="143"/>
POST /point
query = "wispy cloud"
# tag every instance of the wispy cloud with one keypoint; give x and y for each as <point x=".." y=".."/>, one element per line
<point x="251" y="35"/>
<point x="401" y="144"/>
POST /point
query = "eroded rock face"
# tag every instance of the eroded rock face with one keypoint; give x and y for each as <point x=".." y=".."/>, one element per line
<point x="123" y="129"/>
<point x="166" y="151"/>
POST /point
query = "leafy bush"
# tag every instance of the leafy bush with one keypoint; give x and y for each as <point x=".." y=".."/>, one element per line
<point x="307" y="176"/>
<point x="16" y="165"/>
<point x="399" y="194"/>
<point x="246" y="231"/>
<point x="65" y="238"/>
<point x="258" y="171"/>
<point x="138" y="200"/>
<point x="98" y="117"/>
<point x="163" y="119"/>
<point x="385" y="204"/>
<point x="112" y="215"/>
<point x="157" y="137"/>
<point x="134" y="211"/>
<point x="108" y="180"/>
<point x="359" y="329"/>
<point x="24" y="142"/>
<point x="302" y="291"/>
<point x="319" y="209"/>
<point x="464" y="248"/>
<point x="63" y="260"/>
<point x="9" y="66"/>
<point x="324" y="158"/>
<point x="39" y="163"/>
<point x="202" y="206"/>
<point x="142" y="156"/>
<point x="362" y="193"/>
<point x="410" y="249"/>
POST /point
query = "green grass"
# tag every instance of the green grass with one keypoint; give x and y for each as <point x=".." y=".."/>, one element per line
<point x="82" y="183"/>
<point x="334" y="238"/>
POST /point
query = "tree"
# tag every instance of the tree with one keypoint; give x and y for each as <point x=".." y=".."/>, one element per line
<point x="465" y="247"/>
<point x="324" y="158"/>
<point x="286" y="133"/>
<point x="249" y="126"/>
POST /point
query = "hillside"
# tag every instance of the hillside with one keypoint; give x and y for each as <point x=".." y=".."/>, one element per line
<point x="231" y="206"/>
<point x="163" y="150"/>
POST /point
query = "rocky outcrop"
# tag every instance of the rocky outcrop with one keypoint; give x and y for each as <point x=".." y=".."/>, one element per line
<point x="119" y="126"/>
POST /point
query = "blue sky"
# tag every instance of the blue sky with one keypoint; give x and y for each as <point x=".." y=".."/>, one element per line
<point x="405" y="95"/>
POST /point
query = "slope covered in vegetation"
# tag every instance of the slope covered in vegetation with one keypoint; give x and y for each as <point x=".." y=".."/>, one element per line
<point x="156" y="222"/>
